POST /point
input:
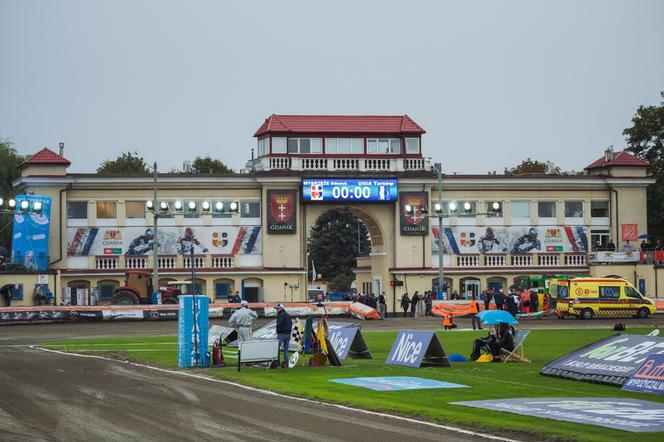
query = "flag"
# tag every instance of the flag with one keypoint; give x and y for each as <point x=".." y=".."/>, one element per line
<point x="320" y="336"/>
<point x="313" y="270"/>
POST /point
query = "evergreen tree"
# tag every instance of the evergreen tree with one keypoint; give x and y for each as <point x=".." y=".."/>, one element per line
<point x="332" y="243"/>
<point x="210" y="165"/>
<point x="9" y="161"/>
<point x="126" y="164"/>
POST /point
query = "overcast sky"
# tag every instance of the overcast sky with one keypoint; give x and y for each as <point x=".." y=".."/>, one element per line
<point x="491" y="82"/>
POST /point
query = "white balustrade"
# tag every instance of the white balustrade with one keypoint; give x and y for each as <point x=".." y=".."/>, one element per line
<point x="377" y="164"/>
<point x="136" y="262"/>
<point x="345" y="164"/>
<point x="280" y="163"/>
<point x="222" y="262"/>
<point x="494" y="260"/>
<point x="107" y="262"/>
<point x="199" y="262"/>
<point x="575" y="260"/>
<point x="468" y="260"/>
<point x="522" y="260"/>
<point x="314" y="163"/>
<point x="548" y="260"/>
<point x="414" y="164"/>
<point x="167" y="262"/>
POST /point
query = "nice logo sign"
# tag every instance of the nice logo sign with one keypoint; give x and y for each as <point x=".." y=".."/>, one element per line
<point x="413" y="348"/>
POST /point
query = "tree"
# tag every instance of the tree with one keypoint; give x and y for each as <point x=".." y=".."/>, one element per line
<point x="9" y="161"/>
<point x="332" y="243"/>
<point x="126" y="164"/>
<point x="210" y="165"/>
<point x="645" y="139"/>
<point x="532" y="166"/>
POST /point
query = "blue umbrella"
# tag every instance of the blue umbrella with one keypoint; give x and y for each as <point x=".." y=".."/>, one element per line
<point x="644" y="236"/>
<point x="495" y="317"/>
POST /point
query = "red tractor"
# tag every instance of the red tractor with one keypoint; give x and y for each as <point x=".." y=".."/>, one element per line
<point x="138" y="290"/>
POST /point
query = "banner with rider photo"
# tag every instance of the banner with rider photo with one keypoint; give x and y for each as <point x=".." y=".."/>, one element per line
<point x="513" y="239"/>
<point x="218" y="240"/>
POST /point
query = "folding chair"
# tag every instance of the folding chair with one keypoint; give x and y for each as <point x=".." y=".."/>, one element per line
<point x="517" y="353"/>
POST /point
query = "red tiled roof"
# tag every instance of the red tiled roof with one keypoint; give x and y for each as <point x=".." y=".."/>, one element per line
<point x="621" y="158"/>
<point x="383" y="124"/>
<point x="45" y="156"/>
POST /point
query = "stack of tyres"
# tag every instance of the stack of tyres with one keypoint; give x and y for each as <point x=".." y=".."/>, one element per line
<point x="193" y="335"/>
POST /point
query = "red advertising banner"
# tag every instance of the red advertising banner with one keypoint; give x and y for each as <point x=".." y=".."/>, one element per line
<point x="630" y="232"/>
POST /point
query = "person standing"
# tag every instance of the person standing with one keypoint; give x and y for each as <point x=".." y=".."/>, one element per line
<point x="474" y="310"/>
<point x="382" y="305"/>
<point x="534" y="301"/>
<point x="413" y="303"/>
<point x="284" y="329"/>
<point x="428" y="302"/>
<point x="405" y="303"/>
<point x="241" y="320"/>
<point x="499" y="299"/>
<point x="236" y="297"/>
<point x="488" y="295"/>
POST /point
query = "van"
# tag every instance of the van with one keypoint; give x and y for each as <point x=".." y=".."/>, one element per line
<point x="588" y="297"/>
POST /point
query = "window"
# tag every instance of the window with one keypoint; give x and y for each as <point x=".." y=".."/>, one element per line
<point x="599" y="239"/>
<point x="491" y="210"/>
<point x="573" y="209"/>
<point x="278" y="145"/>
<point x="250" y="209"/>
<point x="17" y="292"/>
<point x="546" y="209"/>
<point x="305" y="145"/>
<point x="107" y="289"/>
<point x="263" y="146"/>
<point x="77" y="209"/>
<point x="599" y="209"/>
<point x="412" y="145"/>
<point x="631" y="292"/>
<point x="344" y="145"/>
<point x="384" y="145"/>
<point x="609" y="292"/>
<point x="221" y="290"/>
<point x="107" y="210"/>
<point x="520" y="209"/>
<point x="135" y="209"/>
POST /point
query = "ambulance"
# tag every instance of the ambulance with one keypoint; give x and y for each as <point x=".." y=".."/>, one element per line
<point x="602" y="297"/>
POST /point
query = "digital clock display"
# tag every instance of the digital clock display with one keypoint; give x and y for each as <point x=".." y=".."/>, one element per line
<point x="349" y="189"/>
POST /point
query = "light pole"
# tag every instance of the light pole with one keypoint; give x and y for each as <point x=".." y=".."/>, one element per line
<point x="155" y="238"/>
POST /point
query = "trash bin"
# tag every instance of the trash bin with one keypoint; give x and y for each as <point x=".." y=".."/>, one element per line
<point x="156" y="298"/>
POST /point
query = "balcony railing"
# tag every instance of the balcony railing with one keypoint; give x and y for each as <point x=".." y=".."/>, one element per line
<point x="222" y="262"/>
<point x="136" y="262"/>
<point x="519" y="260"/>
<point x="343" y="164"/>
<point x="199" y="261"/>
<point x="107" y="262"/>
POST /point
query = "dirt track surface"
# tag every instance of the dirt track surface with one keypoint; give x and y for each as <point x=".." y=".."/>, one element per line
<point x="56" y="397"/>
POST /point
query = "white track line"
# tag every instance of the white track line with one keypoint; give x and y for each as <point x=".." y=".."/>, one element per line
<point x="295" y="398"/>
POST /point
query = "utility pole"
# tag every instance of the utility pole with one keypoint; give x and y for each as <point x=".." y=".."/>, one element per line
<point x="439" y="170"/>
<point x="155" y="237"/>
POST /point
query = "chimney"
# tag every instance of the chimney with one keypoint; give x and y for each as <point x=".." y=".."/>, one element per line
<point x="608" y="154"/>
<point x="62" y="148"/>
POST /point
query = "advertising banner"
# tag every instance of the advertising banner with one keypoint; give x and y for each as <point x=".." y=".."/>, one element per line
<point x="610" y="360"/>
<point x="416" y="222"/>
<point x="630" y="232"/>
<point x="649" y="377"/>
<point x="394" y="383"/>
<point x="30" y="233"/>
<point x="218" y="240"/>
<point x="514" y="239"/>
<point x="193" y="331"/>
<point x="621" y="414"/>
<point x="348" y="341"/>
<point x="615" y="256"/>
<point x="282" y="211"/>
<point x="416" y="348"/>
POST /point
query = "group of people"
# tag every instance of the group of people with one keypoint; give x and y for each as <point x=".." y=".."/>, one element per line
<point x="408" y="303"/>
<point x="242" y="320"/>
<point x="515" y="301"/>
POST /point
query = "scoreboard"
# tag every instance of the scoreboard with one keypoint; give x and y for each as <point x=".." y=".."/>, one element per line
<point x="333" y="189"/>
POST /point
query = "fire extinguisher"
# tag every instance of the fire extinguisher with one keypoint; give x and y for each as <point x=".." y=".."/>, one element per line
<point x="217" y="356"/>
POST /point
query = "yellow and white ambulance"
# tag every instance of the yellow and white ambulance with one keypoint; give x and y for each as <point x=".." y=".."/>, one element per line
<point x="602" y="297"/>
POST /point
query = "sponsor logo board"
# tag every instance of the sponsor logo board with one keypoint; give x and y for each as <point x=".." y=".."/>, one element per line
<point x="393" y="383"/>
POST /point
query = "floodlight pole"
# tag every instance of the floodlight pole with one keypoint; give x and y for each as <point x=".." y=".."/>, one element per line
<point x="438" y="167"/>
<point x="155" y="237"/>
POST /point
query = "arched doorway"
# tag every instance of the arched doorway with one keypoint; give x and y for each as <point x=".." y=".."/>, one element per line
<point x="223" y="288"/>
<point x="521" y="282"/>
<point x="448" y="288"/>
<point x="497" y="283"/>
<point x="106" y="289"/>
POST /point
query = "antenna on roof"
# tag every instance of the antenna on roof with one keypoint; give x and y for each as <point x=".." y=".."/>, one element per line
<point x="608" y="153"/>
<point x="62" y="148"/>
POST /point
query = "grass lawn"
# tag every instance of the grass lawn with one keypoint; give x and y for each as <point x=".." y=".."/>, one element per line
<point x="487" y="381"/>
